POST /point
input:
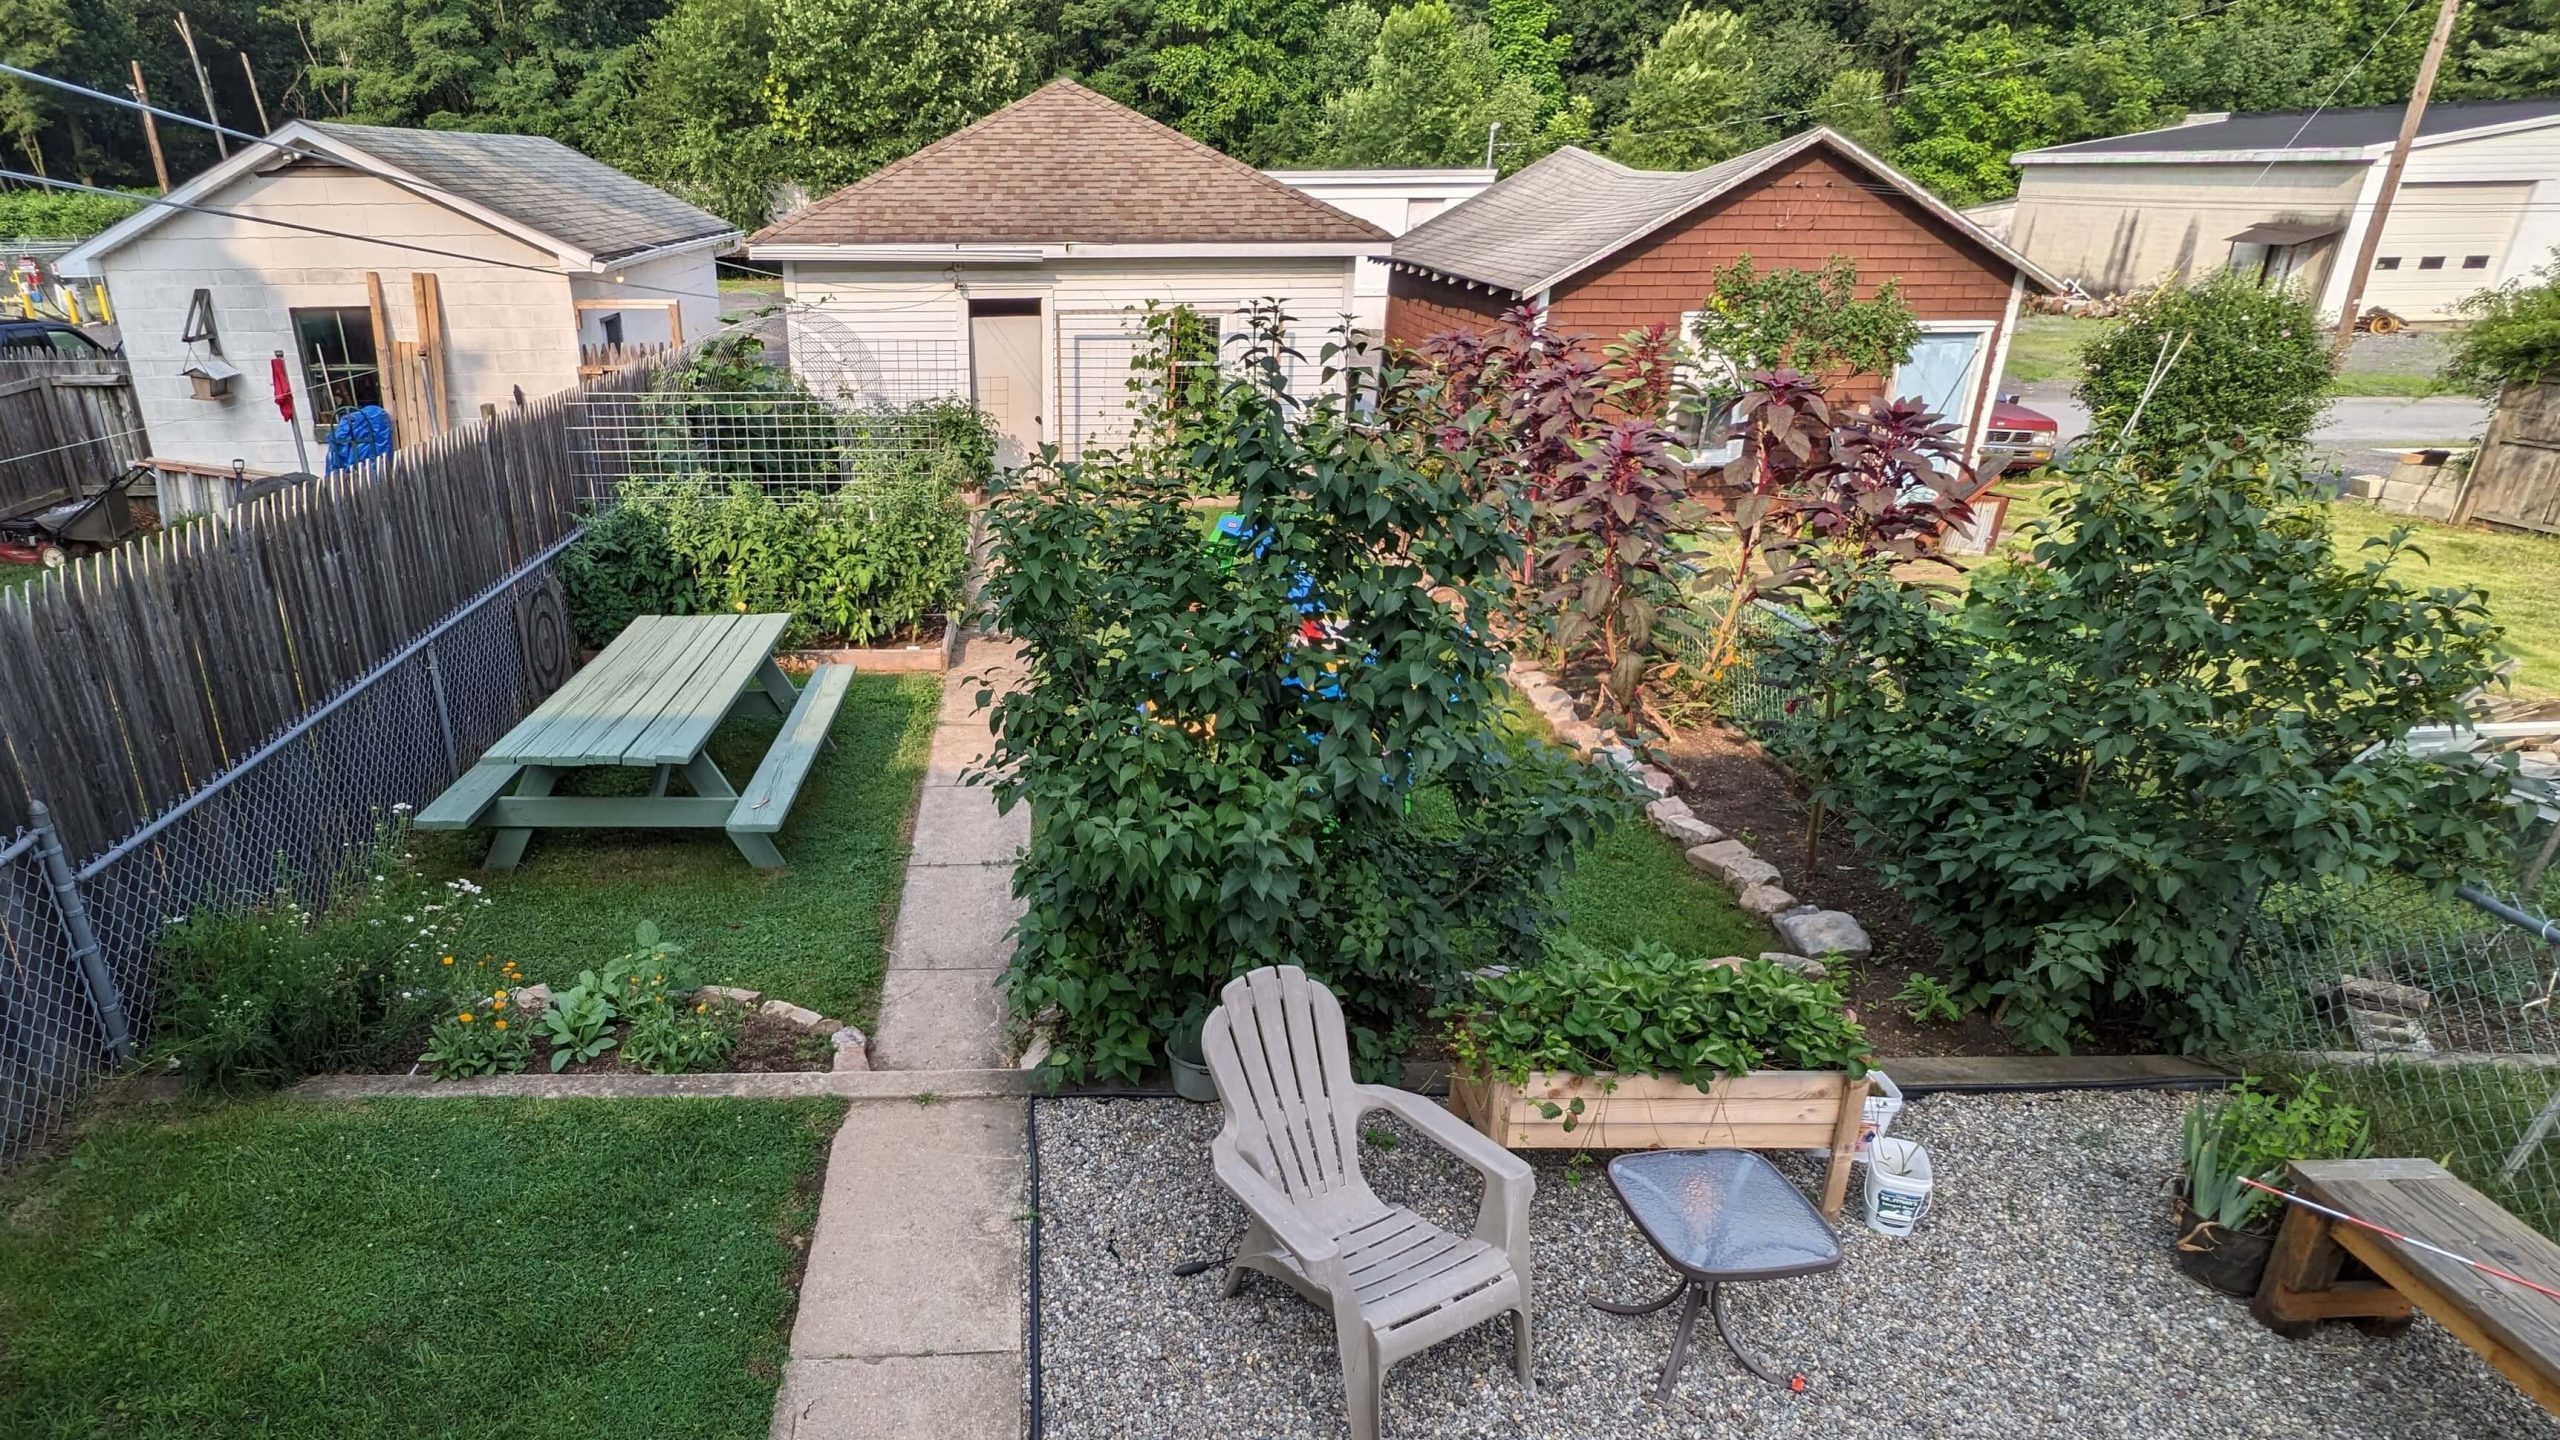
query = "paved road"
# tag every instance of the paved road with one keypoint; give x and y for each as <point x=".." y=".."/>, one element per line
<point x="2357" y="434"/>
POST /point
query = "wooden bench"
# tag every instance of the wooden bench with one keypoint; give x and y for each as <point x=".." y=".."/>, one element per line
<point x="2515" y="1329"/>
<point x="767" y="799"/>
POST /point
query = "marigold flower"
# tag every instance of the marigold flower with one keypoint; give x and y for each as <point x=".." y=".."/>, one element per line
<point x="464" y="1017"/>
<point x="501" y="1024"/>
<point x="448" y="959"/>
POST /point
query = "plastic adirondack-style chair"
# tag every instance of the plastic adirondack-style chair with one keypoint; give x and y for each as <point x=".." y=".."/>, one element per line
<point x="1290" y="1151"/>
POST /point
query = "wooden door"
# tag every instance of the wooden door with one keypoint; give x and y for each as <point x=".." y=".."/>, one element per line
<point x="1005" y="371"/>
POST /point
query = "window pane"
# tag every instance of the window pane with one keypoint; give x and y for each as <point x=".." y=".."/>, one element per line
<point x="2431" y="262"/>
<point x="2475" y="262"/>
<point x="71" y="342"/>
<point x="2387" y="262"/>
<point x="339" y="369"/>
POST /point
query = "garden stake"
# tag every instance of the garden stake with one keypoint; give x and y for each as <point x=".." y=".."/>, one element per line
<point x="2360" y="1223"/>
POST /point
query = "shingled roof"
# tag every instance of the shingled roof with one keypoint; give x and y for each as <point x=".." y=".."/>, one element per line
<point x="1573" y="209"/>
<point x="540" y="184"/>
<point x="1064" y="165"/>
<point x="2363" y="127"/>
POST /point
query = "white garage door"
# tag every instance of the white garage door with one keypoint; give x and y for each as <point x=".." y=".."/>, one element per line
<point x="2443" y="242"/>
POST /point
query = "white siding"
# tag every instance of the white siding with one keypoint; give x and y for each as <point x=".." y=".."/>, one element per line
<point x="688" y="278"/>
<point x="1393" y="200"/>
<point x="505" y="327"/>
<point x="901" y="332"/>
<point x="2122" y="226"/>
<point x="2525" y="158"/>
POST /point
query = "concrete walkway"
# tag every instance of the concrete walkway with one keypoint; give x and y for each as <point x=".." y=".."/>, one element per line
<point x="910" y="1320"/>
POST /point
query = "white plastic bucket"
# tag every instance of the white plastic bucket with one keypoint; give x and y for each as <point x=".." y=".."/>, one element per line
<point x="1898" y="1184"/>
<point x="1884" y="1101"/>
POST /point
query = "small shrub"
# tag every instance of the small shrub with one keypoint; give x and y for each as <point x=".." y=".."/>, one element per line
<point x="579" y="1022"/>
<point x="2248" y="1133"/>
<point x="623" y="568"/>
<point x="260" y="998"/>
<point x="2249" y="361"/>
<point x="856" y="565"/>
<point x="666" y="1037"/>
<point x="1928" y="1001"/>
<point x="1652" y="1011"/>
<point x="479" y="1036"/>
<point x="2513" y="337"/>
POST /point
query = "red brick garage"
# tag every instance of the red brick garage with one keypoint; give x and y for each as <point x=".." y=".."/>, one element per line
<point x="1609" y="249"/>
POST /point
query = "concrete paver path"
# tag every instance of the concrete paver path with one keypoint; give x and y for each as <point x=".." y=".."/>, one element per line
<point x="910" y="1321"/>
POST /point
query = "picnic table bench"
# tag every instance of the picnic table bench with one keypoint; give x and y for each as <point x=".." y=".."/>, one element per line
<point x="2514" y="1328"/>
<point x="652" y="698"/>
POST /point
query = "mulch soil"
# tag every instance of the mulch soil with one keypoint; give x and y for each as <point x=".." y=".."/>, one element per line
<point x="1736" y="786"/>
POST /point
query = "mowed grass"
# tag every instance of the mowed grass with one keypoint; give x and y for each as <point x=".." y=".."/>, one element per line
<point x="1632" y="884"/>
<point x="290" y="1270"/>
<point x="13" y="575"/>
<point x="814" y="934"/>
<point x="2047" y="348"/>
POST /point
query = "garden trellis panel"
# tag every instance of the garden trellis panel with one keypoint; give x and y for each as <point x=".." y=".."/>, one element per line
<point x="138" y="676"/>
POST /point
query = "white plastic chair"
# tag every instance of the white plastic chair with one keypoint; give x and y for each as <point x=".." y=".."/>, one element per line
<point x="1290" y="1150"/>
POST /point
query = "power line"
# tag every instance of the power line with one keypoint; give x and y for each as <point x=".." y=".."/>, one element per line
<point x="2340" y="88"/>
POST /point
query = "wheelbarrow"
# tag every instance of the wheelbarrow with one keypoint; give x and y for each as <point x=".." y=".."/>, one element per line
<point x="55" y="535"/>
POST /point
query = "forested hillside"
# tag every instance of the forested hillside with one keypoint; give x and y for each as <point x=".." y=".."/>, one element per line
<point x="724" y="100"/>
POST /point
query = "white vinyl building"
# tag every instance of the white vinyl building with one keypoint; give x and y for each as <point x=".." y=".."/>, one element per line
<point x="1393" y="200"/>
<point x="512" y="252"/>
<point x="2288" y="196"/>
<point x="1012" y="262"/>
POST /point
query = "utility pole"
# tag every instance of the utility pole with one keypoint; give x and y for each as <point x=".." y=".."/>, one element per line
<point x="2372" y="241"/>
<point x="204" y="84"/>
<point x="150" y="128"/>
<point x="250" y="73"/>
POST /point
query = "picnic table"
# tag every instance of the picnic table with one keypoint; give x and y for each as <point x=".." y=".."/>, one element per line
<point x="652" y="699"/>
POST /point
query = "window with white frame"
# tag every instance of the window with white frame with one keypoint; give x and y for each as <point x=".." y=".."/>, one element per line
<point x="1704" y="389"/>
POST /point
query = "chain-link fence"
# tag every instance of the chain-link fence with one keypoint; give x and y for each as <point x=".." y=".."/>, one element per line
<point x="77" y="948"/>
<point x="2434" y="1013"/>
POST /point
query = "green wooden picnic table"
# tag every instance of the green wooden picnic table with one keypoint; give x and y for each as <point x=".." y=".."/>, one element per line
<point x="652" y="699"/>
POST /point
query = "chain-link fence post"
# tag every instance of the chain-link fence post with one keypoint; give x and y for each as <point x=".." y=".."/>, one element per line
<point x="103" y="996"/>
<point x="444" y="713"/>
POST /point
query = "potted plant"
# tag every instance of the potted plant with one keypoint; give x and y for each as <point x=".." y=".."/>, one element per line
<point x="1182" y="1053"/>
<point x="2226" y="1226"/>
<point x="1647" y="1048"/>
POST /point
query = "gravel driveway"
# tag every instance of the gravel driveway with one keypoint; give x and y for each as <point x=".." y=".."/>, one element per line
<point x="2036" y="1299"/>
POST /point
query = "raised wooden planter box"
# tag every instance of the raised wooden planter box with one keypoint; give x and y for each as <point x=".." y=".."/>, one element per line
<point x="1765" y="1110"/>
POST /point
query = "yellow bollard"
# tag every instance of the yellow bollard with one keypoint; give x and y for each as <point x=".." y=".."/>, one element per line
<point x="71" y="305"/>
<point x="106" y="315"/>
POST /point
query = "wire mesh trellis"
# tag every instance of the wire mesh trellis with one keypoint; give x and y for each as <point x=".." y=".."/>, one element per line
<point x="288" y="817"/>
<point x="782" y="442"/>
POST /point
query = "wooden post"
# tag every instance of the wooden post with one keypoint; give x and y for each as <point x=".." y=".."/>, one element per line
<point x="429" y="297"/>
<point x="150" y="128"/>
<point x="249" y="73"/>
<point x="1844" y="1143"/>
<point x="2409" y="118"/>
<point x="204" y="84"/>
<point x="402" y="423"/>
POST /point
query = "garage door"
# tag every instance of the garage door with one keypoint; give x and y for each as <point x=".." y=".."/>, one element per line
<point x="2443" y="242"/>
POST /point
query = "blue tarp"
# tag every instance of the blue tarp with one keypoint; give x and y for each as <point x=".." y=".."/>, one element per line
<point x="359" y="435"/>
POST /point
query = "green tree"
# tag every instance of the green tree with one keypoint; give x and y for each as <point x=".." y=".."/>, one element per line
<point x="1692" y="101"/>
<point x="545" y="68"/>
<point x="855" y="84"/>
<point x="1969" y="107"/>
<point x="1431" y="95"/>
<point x="1523" y="48"/>
<point x="1808" y="320"/>
<point x="2513" y="337"/>
<point x="1853" y="102"/>
<point x="2243" y="359"/>
<point x="694" y="116"/>
<point x="1244" y="76"/>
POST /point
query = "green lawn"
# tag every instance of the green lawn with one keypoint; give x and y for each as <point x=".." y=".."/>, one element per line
<point x="416" y="1268"/>
<point x="1633" y="885"/>
<point x="2047" y="348"/>
<point x="2519" y="571"/>
<point x="814" y="934"/>
<point x="13" y="575"/>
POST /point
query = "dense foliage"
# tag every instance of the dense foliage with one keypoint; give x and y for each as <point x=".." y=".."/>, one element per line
<point x="1283" y="750"/>
<point x="725" y="100"/>
<point x="2248" y="1133"/>
<point x="1814" y="321"/>
<point x="1652" y="1011"/>
<point x="2514" y="334"/>
<point x="2240" y="359"/>
<point x="58" y="214"/>
<point x="2085" y="772"/>
<point x="623" y="568"/>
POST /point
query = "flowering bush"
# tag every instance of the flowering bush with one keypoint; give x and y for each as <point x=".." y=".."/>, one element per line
<point x="482" y="1036"/>
<point x="262" y="997"/>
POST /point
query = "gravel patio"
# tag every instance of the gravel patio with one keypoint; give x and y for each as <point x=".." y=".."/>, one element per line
<point x="2037" y="1298"/>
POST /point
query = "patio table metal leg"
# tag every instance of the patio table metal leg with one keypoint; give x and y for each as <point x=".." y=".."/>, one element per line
<point x="1715" y="1303"/>
<point x="1680" y="1341"/>
<point x="1647" y="1307"/>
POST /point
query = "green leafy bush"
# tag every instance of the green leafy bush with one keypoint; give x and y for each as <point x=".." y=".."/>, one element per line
<point x="39" y="214"/>
<point x="620" y="569"/>
<point x="2513" y="337"/>
<point x="1650" y="1010"/>
<point x="850" y="566"/>
<point x="2248" y="1133"/>
<point x="667" y="1038"/>
<point x="2085" y="774"/>
<point x="259" y="998"/>
<point x="477" y="1036"/>
<point x="1223" y="780"/>
<point x="579" y="1022"/>
<point x="2249" y="361"/>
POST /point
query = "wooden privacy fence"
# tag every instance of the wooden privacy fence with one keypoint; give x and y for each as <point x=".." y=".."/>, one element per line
<point x="2515" y="480"/>
<point x="65" y="424"/>
<point x="137" y="676"/>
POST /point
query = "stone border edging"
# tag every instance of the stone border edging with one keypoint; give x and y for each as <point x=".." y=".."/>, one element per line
<point x="1808" y="930"/>
<point x="910" y="1085"/>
